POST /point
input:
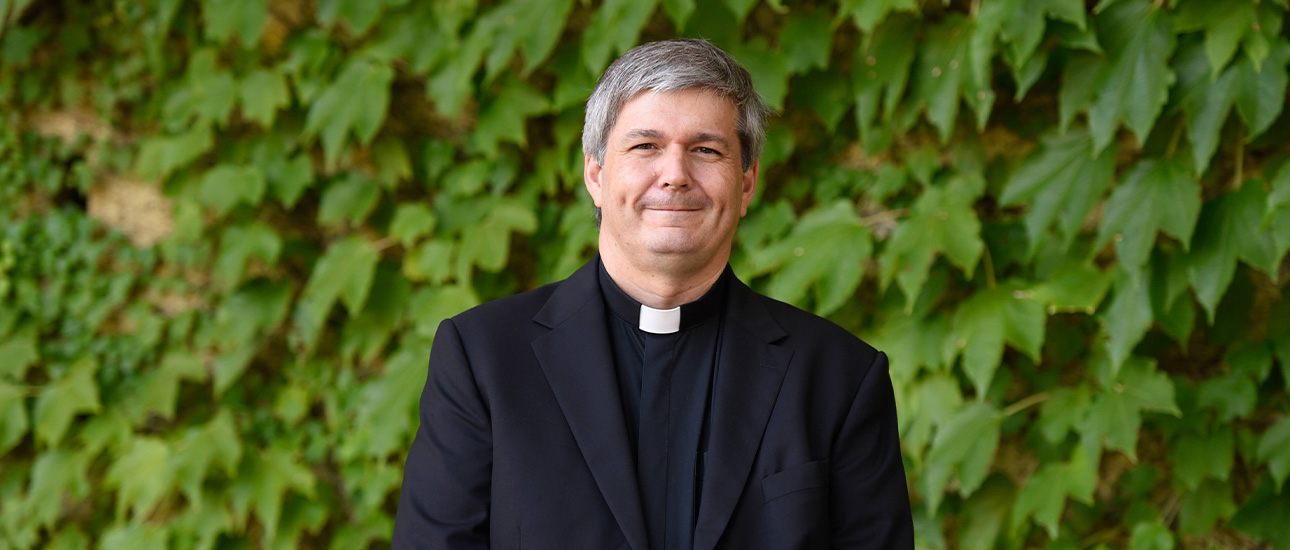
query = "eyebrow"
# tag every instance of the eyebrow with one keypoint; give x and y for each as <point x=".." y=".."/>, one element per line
<point x="701" y="137"/>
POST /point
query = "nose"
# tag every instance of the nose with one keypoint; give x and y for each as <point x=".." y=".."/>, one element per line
<point x="673" y="170"/>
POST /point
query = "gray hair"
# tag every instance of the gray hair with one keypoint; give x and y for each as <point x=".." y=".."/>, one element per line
<point x="671" y="66"/>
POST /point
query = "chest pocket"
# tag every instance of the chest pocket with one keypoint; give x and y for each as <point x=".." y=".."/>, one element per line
<point x="812" y="475"/>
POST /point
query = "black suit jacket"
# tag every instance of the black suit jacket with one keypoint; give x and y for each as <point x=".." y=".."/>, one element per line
<point x="523" y="444"/>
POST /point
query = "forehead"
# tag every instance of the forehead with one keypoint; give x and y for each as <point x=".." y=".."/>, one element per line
<point x="691" y="109"/>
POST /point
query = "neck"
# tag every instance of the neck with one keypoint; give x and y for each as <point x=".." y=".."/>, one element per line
<point x="662" y="284"/>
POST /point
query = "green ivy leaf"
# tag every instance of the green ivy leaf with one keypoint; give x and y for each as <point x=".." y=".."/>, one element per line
<point x="1203" y="456"/>
<point x="235" y="18"/>
<point x="868" y="13"/>
<point x="348" y="199"/>
<point x="54" y="475"/>
<point x="504" y="118"/>
<point x="1274" y="449"/>
<point x="828" y="94"/>
<point x="1151" y="536"/>
<point x="614" y="28"/>
<point x="1261" y="90"/>
<point x="431" y="261"/>
<point x="13" y="416"/>
<point x="467" y="178"/>
<point x="140" y="477"/>
<point x="487" y="244"/>
<point x="392" y="163"/>
<point x="367" y="333"/>
<point x="110" y="430"/>
<point x="1116" y="414"/>
<point x="256" y="306"/>
<point x="1228" y="230"/>
<point x="679" y="12"/>
<point x="1210" y="502"/>
<point x="19" y="41"/>
<point x="932" y="402"/>
<point x="965" y="444"/>
<point x="69" y="538"/>
<point x="881" y="72"/>
<point x="74" y="393"/>
<point x="1139" y="40"/>
<point x="806" y="39"/>
<point x="135" y="536"/>
<point x="1023" y="23"/>
<point x="240" y="243"/>
<point x="160" y="156"/>
<point x="942" y="221"/>
<point x="1060" y="182"/>
<point x="1206" y="102"/>
<point x="1043" y="496"/>
<point x="1063" y="412"/>
<point x="1279" y="197"/>
<point x="544" y="22"/>
<point x="356" y="101"/>
<point x="20" y="352"/>
<point x="944" y="72"/>
<point x="263" y="483"/>
<point x="227" y="186"/>
<point x="912" y="343"/>
<point x="1156" y="195"/>
<point x="429" y="306"/>
<point x="1128" y="317"/>
<point x="263" y="92"/>
<point x="984" y="512"/>
<point x="1225" y="25"/>
<point x="385" y="414"/>
<point x="988" y="319"/>
<point x="288" y="179"/>
<point x="825" y="252"/>
<point x="411" y="222"/>
<point x="359" y="15"/>
<point x="1265" y="514"/>
<point x="344" y="271"/>
<point x="741" y="7"/>
<point x="1072" y="286"/>
<point x="768" y="67"/>
<point x="1232" y="396"/>
<point x="214" y="444"/>
<point x="212" y="91"/>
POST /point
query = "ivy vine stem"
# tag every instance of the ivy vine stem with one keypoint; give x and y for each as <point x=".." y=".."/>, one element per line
<point x="1026" y="403"/>
<point x="884" y="216"/>
<point x="1239" y="172"/>
<point x="989" y="267"/>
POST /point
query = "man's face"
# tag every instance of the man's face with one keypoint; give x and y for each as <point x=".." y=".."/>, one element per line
<point x="672" y="181"/>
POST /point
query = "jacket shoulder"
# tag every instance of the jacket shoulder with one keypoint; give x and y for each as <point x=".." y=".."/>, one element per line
<point x="808" y="329"/>
<point x="517" y="308"/>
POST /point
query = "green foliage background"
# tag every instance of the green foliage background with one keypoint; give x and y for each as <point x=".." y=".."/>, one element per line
<point x="229" y="228"/>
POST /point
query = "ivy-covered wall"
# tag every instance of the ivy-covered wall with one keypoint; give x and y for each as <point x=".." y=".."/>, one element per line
<point x="229" y="228"/>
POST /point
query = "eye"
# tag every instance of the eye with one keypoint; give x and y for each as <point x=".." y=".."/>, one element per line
<point x="643" y="146"/>
<point x="707" y="151"/>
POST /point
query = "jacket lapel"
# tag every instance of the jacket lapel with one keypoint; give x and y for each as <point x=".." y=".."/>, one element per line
<point x="750" y="370"/>
<point x="578" y="364"/>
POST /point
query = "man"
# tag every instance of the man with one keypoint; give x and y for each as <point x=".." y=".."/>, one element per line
<point x="651" y="400"/>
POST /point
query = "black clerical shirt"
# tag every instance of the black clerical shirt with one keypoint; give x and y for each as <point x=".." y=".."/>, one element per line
<point x="679" y="363"/>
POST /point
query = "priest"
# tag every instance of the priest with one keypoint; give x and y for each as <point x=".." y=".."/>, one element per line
<point x="652" y="400"/>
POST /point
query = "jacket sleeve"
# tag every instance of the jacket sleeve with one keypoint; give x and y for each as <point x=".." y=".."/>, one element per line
<point x="444" y="501"/>
<point x="870" y="501"/>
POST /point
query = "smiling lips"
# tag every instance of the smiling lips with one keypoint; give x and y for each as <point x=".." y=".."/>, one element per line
<point x="676" y="203"/>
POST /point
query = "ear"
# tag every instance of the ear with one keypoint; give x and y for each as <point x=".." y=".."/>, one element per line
<point x="591" y="178"/>
<point x="750" y="187"/>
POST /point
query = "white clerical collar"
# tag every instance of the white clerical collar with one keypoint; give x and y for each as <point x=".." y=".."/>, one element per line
<point x="660" y="321"/>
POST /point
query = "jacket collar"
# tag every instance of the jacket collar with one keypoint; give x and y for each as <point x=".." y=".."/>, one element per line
<point x="578" y="364"/>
